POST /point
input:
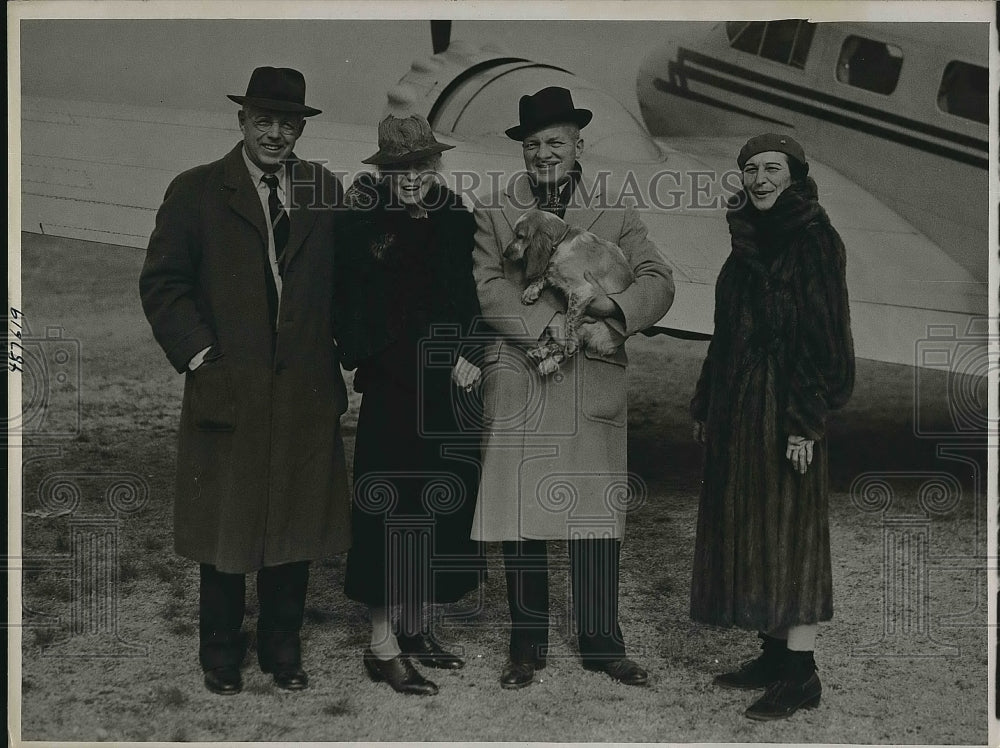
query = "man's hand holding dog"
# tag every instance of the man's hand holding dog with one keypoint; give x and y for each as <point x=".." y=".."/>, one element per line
<point x="602" y="305"/>
<point x="465" y="374"/>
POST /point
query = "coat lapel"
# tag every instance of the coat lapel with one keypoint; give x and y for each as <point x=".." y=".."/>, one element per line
<point x="519" y="198"/>
<point x="307" y="186"/>
<point x="580" y="211"/>
<point x="243" y="199"/>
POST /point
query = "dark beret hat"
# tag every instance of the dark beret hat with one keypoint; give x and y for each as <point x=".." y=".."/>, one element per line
<point x="771" y="142"/>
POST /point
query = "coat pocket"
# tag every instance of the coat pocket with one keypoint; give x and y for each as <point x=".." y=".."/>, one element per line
<point x="212" y="404"/>
<point x="605" y="395"/>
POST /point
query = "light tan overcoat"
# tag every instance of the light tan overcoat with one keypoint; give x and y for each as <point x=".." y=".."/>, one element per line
<point x="554" y="461"/>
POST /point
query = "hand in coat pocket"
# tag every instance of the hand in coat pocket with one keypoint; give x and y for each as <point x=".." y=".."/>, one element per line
<point x="212" y="406"/>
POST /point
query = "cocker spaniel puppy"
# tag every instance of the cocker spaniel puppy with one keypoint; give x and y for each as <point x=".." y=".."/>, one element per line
<point x="580" y="265"/>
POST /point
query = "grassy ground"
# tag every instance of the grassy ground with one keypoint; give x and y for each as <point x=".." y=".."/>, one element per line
<point x="932" y="689"/>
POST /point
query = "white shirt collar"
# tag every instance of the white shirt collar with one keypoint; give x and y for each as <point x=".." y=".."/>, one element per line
<point x="256" y="172"/>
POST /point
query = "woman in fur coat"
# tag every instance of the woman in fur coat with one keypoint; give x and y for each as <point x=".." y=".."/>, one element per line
<point x="404" y="306"/>
<point x="780" y="359"/>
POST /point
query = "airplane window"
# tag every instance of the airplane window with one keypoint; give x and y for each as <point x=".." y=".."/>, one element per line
<point x="964" y="91"/>
<point x="869" y="64"/>
<point x="802" y="43"/>
<point x="778" y="40"/>
<point x="785" y="41"/>
<point x="733" y="28"/>
<point x="747" y="38"/>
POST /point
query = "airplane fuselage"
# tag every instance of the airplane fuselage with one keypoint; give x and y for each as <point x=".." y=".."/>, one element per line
<point x="900" y="109"/>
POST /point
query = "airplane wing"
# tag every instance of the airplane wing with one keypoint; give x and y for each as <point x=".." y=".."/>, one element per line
<point x="97" y="171"/>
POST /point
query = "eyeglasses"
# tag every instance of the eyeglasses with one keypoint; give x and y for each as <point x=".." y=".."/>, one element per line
<point x="285" y="126"/>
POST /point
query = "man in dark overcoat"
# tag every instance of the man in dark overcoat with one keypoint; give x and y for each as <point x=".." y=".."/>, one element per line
<point x="237" y="287"/>
<point x="554" y="461"/>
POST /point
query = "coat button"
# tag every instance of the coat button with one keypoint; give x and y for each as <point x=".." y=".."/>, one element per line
<point x="280" y="367"/>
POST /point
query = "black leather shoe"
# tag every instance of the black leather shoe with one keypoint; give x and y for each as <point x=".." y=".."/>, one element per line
<point x="783" y="698"/>
<point x="624" y="671"/>
<point x="760" y="672"/>
<point x="398" y="673"/>
<point x="518" y="674"/>
<point x="225" y="681"/>
<point x="425" y="649"/>
<point x="289" y="677"/>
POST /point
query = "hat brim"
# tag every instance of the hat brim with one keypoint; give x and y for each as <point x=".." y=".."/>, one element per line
<point x="276" y="105"/>
<point x="580" y="117"/>
<point x="381" y="158"/>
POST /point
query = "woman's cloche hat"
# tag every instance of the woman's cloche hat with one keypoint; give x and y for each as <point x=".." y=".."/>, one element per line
<point x="403" y="140"/>
<point x="277" y="89"/>
<point x="771" y="142"/>
<point x="550" y="106"/>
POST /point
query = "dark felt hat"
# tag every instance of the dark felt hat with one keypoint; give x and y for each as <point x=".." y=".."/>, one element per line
<point x="771" y="142"/>
<point x="277" y="89"/>
<point x="550" y="106"/>
<point x="403" y="140"/>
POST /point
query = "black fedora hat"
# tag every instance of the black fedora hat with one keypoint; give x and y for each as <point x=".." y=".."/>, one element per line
<point x="278" y="89"/>
<point x="404" y="140"/>
<point x="550" y="106"/>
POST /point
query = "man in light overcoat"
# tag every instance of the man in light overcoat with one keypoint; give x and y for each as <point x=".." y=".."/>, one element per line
<point x="236" y="286"/>
<point x="554" y="463"/>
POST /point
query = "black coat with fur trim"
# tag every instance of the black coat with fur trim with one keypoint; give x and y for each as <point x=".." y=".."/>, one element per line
<point x="404" y="307"/>
<point x="780" y="359"/>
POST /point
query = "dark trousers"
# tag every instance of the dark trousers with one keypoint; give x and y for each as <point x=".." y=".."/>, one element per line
<point x="281" y="591"/>
<point x="594" y="578"/>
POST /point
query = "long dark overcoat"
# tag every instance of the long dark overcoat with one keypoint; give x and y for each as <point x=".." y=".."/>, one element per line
<point x="405" y="306"/>
<point x="554" y="457"/>
<point x="780" y="359"/>
<point x="261" y="478"/>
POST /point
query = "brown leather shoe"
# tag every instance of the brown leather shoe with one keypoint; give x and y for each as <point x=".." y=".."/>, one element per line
<point x="624" y="671"/>
<point x="398" y="673"/>
<point x="225" y="681"/>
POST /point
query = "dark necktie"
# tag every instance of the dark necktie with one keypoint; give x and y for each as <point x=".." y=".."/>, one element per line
<point x="280" y="223"/>
<point x="279" y="230"/>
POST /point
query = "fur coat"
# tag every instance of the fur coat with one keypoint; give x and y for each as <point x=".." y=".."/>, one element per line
<point x="780" y="359"/>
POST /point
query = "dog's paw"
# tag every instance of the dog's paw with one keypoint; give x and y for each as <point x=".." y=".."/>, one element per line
<point x="571" y="347"/>
<point x="530" y="295"/>
<point x="537" y="354"/>
<point x="547" y="366"/>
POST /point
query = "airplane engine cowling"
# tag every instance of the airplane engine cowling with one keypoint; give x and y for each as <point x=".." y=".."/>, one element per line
<point x="467" y="92"/>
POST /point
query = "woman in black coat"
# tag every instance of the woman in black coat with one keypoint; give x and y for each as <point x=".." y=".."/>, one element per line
<point x="404" y="305"/>
<point x="780" y="359"/>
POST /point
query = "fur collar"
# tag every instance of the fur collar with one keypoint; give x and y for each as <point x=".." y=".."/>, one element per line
<point x="376" y="212"/>
<point x="762" y="235"/>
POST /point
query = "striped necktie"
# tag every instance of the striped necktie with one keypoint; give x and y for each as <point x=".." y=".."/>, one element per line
<point x="280" y="223"/>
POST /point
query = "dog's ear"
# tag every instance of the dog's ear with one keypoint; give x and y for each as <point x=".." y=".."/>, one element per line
<point x="537" y="250"/>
